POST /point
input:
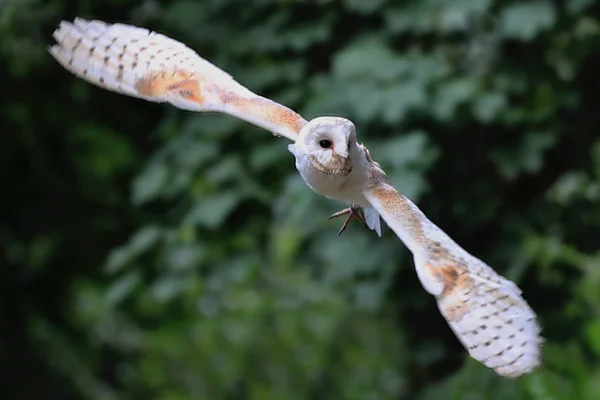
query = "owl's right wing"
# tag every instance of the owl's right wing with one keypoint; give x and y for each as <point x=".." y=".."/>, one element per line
<point x="137" y="62"/>
<point x="485" y="310"/>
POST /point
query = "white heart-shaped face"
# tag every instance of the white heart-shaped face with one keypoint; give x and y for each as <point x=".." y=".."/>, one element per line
<point x="325" y="141"/>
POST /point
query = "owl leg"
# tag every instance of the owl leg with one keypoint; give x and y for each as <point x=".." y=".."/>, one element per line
<point x="353" y="213"/>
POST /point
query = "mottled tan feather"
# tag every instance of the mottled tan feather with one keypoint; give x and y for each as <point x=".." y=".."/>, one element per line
<point x="137" y="62"/>
<point x="485" y="310"/>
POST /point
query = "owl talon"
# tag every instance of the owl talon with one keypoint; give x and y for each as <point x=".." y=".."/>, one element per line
<point x="353" y="213"/>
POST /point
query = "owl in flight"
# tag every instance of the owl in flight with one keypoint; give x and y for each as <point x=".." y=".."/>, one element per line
<point x="485" y="310"/>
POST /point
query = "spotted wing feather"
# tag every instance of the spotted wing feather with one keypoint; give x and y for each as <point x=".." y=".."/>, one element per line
<point x="489" y="316"/>
<point x="137" y="62"/>
<point x="485" y="310"/>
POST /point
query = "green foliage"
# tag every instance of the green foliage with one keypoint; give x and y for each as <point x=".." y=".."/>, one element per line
<point x="156" y="253"/>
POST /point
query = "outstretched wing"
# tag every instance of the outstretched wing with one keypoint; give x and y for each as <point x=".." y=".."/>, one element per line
<point x="485" y="310"/>
<point x="150" y="66"/>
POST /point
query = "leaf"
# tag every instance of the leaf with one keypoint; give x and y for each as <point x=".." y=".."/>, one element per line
<point x="139" y="243"/>
<point x="461" y="15"/>
<point x="366" y="101"/>
<point x="418" y="17"/>
<point x="229" y="168"/>
<point x="168" y="287"/>
<point x="402" y="98"/>
<point x="271" y="154"/>
<point x="527" y="158"/>
<point x="415" y="17"/>
<point x="525" y="20"/>
<point x="593" y="334"/>
<point x="405" y="151"/>
<point x="488" y="106"/>
<point x="451" y="95"/>
<point x="369" y="296"/>
<point x="123" y="287"/>
<point x="184" y="257"/>
<point x="212" y="210"/>
<point x="364" y="7"/>
<point x="369" y="59"/>
<point x="568" y="187"/>
<point x="149" y="184"/>
<point x="145" y="238"/>
<point x="577" y="6"/>
<point x="191" y="153"/>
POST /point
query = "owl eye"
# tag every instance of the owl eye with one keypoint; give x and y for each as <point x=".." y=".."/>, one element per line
<point x="325" y="143"/>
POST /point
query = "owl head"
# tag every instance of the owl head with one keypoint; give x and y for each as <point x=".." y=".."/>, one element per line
<point x="326" y="142"/>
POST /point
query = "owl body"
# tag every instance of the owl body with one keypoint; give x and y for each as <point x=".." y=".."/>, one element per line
<point x="334" y="165"/>
<point x="345" y="187"/>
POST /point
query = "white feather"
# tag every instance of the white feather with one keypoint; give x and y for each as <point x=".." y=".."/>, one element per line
<point x="372" y="219"/>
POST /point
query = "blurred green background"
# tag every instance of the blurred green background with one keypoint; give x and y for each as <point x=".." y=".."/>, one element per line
<point x="154" y="253"/>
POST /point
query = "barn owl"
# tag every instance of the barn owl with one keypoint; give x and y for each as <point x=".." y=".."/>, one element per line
<point x="486" y="311"/>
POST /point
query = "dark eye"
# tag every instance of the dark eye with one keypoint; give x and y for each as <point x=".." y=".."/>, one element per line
<point x="325" y="143"/>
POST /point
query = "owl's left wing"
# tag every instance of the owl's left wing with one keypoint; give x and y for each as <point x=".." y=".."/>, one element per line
<point x="139" y="63"/>
<point x="485" y="310"/>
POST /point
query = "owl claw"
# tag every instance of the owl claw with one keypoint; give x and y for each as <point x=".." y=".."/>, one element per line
<point x="353" y="213"/>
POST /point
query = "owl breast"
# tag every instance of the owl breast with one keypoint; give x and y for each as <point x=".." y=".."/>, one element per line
<point x="343" y="187"/>
<point x="325" y="184"/>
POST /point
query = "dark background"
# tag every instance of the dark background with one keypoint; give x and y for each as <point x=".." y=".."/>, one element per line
<point x="150" y="252"/>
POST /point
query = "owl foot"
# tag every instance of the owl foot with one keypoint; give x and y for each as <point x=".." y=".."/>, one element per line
<point x="353" y="212"/>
